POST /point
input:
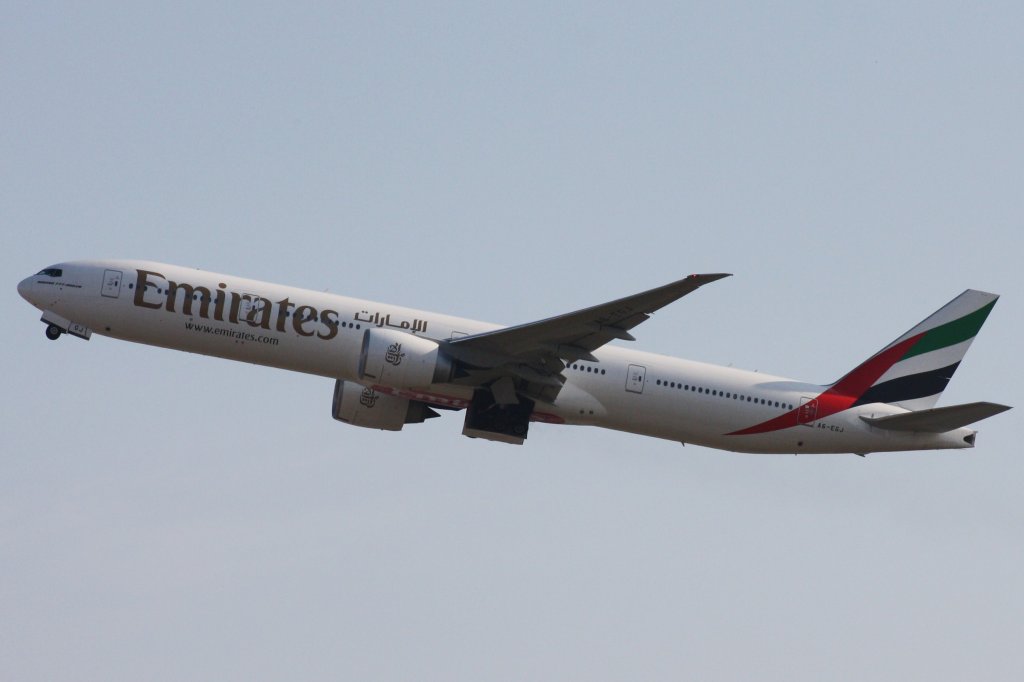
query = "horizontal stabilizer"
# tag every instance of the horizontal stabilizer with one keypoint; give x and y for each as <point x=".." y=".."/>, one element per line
<point x="939" y="419"/>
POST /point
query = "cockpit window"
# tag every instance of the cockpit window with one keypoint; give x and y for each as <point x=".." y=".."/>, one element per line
<point x="51" y="272"/>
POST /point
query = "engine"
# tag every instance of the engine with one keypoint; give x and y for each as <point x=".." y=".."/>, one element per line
<point x="360" y="406"/>
<point x="402" y="360"/>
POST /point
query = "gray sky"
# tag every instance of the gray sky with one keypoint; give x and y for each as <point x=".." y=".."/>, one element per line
<point x="166" y="516"/>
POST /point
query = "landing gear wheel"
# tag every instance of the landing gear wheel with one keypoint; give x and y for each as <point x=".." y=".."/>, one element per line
<point x="53" y="332"/>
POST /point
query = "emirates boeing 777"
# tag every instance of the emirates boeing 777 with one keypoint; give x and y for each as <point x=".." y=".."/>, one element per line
<point x="394" y="366"/>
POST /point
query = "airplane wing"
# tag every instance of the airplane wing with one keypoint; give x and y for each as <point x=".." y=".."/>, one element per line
<point x="537" y="352"/>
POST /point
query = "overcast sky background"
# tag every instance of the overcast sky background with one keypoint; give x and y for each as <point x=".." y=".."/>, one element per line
<point x="166" y="516"/>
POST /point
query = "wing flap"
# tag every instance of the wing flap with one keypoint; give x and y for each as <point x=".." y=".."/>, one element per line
<point x="939" y="419"/>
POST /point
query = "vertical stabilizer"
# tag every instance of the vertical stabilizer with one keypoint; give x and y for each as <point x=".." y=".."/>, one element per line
<point x="912" y="371"/>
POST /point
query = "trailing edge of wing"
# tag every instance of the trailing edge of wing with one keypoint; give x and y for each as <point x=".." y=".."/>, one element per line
<point x="576" y="335"/>
<point x="939" y="419"/>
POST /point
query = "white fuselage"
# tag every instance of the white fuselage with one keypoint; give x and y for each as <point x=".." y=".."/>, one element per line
<point x="321" y="333"/>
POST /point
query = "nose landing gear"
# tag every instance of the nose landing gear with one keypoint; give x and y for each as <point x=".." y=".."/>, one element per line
<point x="57" y="326"/>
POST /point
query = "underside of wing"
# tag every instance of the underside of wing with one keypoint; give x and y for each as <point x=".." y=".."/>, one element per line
<point x="529" y="358"/>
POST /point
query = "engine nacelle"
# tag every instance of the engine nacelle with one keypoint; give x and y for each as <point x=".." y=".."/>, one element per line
<point x="361" y="406"/>
<point x="401" y="360"/>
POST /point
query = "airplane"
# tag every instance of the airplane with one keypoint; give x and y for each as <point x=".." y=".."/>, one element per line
<point x="394" y="366"/>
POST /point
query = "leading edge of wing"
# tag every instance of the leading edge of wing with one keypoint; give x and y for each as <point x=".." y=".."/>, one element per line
<point x="575" y="335"/>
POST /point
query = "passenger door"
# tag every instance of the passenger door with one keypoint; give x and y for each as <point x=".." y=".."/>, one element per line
<point x="635" y="376"/>
<point x="808" y="411"/>
<point x="111" y="283"/>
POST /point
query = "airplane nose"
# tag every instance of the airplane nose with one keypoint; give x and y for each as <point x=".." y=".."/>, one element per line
<point x="25" y="288"/>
